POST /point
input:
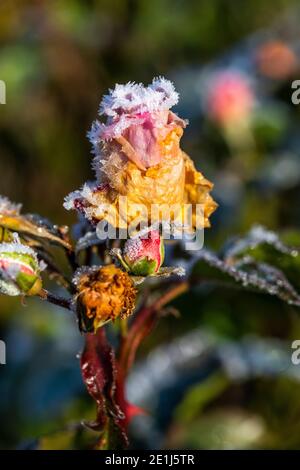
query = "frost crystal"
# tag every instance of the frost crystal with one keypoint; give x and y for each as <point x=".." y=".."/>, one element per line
<point x="8" y="208"/>
<point x="82" y="271"/>
<point x="19" y="269"/>
<point x="135" y="97"/>
<point x="86" y="192"/>
<point x="126" y="105"/>
<point x="257" y="236"/>
<point x="17" y="247"/>
<point x="133" y="248"/>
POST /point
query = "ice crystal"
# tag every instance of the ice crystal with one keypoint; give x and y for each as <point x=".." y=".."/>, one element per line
<point x="7" y="207"/>
<point x="257" y="236"/>
<point x="252" y="275"/>
<point x="136" y="98"/>
<point x="17" y="247"/>
<point x="126" y="105"/>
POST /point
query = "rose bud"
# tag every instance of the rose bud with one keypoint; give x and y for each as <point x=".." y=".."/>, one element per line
<point x="144" y="256"/>
<point x="19" y="269"/>
<point x="230" y="98"/>
<point x="104" y="294"/>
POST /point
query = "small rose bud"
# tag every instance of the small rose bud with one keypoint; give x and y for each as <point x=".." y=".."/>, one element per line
<point x="19" y="269"/>
<point x="104" y="294"/>
<point x="230" y="98"/>
<point x="144" y="256"/>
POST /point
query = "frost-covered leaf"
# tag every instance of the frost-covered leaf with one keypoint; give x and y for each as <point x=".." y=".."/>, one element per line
<point x="266" y="246"/>
<point x="256" y="237"/>
<point x="247" y="273"/>
<point x="35" y="226"/>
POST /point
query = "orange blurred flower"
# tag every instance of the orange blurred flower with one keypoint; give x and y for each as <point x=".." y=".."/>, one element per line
<point x="276" y="59"/>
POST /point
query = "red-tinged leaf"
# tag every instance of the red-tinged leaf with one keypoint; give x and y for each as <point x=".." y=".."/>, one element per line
<point x="100" y="376"/>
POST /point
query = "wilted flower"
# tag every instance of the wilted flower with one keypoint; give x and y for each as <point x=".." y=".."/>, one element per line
<point x="104" y="294"/>
<point x="137" y="156"/>
<point x="230" y="98"/>
<point x="144" y="256"/>
<point x="19" y="269"/>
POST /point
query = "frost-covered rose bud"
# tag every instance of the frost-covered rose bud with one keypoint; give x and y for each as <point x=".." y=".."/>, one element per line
<point x="138" y="157"/>
<point x="140" y="120"/>
<point x="144" y="256"/>
<point x="19" y="269"/>
<point x="104" y="294"/>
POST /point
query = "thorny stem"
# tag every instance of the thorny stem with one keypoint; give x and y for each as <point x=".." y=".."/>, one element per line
<point x="55" y="299"/>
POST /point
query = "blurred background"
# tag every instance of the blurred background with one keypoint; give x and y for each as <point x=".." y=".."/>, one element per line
<point x="220" y="376"/>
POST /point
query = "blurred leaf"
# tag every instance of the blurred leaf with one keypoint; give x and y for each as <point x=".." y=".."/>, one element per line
<point x="199" y="396"/>
<point x="220" y="429"/>
<point x="75" y="437"/>
<point x="269" y="123"/>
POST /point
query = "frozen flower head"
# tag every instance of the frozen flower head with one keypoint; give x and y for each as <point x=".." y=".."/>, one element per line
<point x="104" y="294"/>
<point x="230" y="98"/>
<point x="138" y="155"/>
<point x="138" y="118"/>
<point x="19" y="269"/>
